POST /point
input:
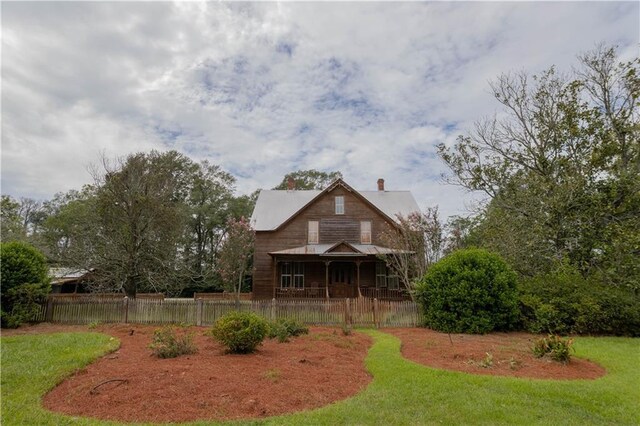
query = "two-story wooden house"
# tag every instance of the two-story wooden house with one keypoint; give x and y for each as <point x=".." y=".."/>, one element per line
<point x="325" y="243"/>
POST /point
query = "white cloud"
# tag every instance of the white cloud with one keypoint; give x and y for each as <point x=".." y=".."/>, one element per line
<point x="267" y="88"/>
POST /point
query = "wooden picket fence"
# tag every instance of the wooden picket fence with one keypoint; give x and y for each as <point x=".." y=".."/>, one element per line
<point x="359" y="312"/>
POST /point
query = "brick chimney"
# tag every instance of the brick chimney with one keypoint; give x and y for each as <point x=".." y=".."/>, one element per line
<point x="291" y="184"/>
<point x="380" y="184"/>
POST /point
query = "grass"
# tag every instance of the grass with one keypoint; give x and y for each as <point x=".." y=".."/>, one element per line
<point x="401" y="392"/>
<point x="34" y="364"/>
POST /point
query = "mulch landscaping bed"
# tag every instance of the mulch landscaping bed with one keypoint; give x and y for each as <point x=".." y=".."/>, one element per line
<point x="307" y="372"/>
<point x="509" y="355"/>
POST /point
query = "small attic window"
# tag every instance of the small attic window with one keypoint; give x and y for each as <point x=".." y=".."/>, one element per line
<point x="339" y="204"/>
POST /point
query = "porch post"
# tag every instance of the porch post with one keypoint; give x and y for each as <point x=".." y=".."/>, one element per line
<point x="275" y="276"/>
<point x="326" y="277"/>
<point x="358" y="262"/>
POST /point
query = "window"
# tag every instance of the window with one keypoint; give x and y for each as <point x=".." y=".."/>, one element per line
<point x="393" y="282"/>
<point x="313" y="232"/>
<point x="365" y="232"/>
<point x="340" y="204"/>
<point x="386" y="278"/>
<point x="292" y="275"/>
<point x="381" y="274"/>
<point x="298" y="274"/>
<point x="285" y="275"/>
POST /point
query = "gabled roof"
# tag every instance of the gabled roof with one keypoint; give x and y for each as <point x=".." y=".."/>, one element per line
<point x="275" y="207"/>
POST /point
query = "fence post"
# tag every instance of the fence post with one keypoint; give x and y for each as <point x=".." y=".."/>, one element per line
<point x="375" y="312"/>
<point x="199" y="312"/>
<point x="273" y="309"/>
<point x="49" y="314"/>
<point x="347" y="313"/>
<point x="125" y="309"/>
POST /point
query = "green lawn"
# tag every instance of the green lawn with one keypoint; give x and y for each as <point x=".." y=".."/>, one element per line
<point x="402" y="392"/>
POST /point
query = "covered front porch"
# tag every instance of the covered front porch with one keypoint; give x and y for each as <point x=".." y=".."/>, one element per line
<point x="339" y="271"/>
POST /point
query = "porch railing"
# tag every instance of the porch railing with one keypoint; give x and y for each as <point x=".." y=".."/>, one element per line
<point x="301" y="293"/>
<point x="385" y="293"/>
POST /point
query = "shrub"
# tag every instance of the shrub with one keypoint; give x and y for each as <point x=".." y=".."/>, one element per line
<point x="166" y="343"/>
<point x="563" y="301"/>
<point x="240" y="332"/>
<point x="557" y="348"/>
<point x="284" y="328"/>
<point x="25" y="284"/>
<point x="469" y="291"/>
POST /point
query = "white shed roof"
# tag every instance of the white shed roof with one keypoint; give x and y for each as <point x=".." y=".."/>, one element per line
<point x="274" y="207"/>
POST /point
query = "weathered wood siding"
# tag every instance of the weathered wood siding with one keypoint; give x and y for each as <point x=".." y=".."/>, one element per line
<point x="333" y="228"/>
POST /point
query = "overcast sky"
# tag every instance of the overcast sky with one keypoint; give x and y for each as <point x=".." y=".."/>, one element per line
<point x="263" y="89"/>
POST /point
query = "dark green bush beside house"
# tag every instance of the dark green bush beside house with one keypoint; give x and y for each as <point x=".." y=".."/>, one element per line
<point x="563" y="301"/>
<point x="24" y="282"/>
<point x="469" y="291"/>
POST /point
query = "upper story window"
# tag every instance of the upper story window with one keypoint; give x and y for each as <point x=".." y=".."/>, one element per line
<point x="313" y="233"/>
<point x="365" y="232"/>
<point x="339" y="204"/>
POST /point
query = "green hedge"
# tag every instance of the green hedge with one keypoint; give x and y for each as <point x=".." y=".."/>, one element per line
<point x="563" y="301"/>
<point x="469" y="291"/>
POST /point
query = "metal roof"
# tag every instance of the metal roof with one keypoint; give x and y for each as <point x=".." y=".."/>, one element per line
<point x="274" y="207"/>
<point x="323" y="249"/>
<point x="67" y="272"/>
<point x="62" y="275"/>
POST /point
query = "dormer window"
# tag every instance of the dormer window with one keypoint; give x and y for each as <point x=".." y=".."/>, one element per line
<point x="313" y="232"/>
<point x="339" y="204"/>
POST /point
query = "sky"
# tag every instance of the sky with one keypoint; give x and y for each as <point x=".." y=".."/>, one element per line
<point x="262" y="89"/>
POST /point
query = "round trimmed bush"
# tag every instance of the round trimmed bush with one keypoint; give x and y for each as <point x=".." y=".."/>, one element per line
<point x="240" y="332"/>
<point x="469" y="291"/>
<point x="25" y="283"/>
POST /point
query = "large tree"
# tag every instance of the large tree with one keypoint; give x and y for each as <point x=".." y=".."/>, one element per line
<point x="210" y="202"/>
<point x="560" y="164"/>
<point x="21" y="219"/>
<point x="418" y="241"/>
<point x="235" y="255"/>
<point x="140" y="205"/>
<point x="309" y="179"/>
<point x="151" y="222"/>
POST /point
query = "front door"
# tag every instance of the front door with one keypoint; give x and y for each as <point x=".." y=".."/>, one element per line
<point x="342" y="280"/>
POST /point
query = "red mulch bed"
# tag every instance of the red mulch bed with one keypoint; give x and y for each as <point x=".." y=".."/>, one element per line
<point x="307" y="372"/>
<point x="511" y="354"/>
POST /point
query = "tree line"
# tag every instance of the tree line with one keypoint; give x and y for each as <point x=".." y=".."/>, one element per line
<point x="149" y="222"/>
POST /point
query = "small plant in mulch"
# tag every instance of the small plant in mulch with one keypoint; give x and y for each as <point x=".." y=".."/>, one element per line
<point x="514" y="363"/>
<point x="554" y="347"/>
<point x="240" y="332"/>
<point x="285" y="328"/>
<point x="273" y="374"/>
<point x="486" y="362"/>
<point x="167" y="344"/>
